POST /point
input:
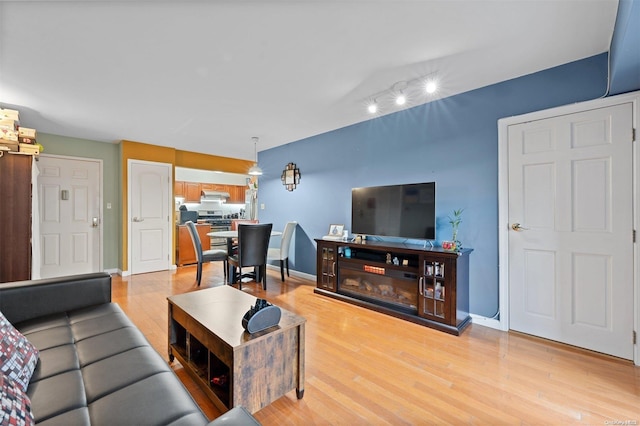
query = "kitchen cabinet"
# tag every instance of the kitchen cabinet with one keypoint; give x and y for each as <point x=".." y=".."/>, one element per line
<point x="236" y="194"/>
<point x="178" y="189"/>
<point x="192" y="191"/>
<point x="185" y="254"/>
<point x="15" y="226"/>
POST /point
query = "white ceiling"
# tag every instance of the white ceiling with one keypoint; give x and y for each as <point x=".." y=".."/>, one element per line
<point x="206" y="76"/>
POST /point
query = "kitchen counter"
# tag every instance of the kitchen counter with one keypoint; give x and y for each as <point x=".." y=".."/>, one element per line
<point x="185" y="254"/>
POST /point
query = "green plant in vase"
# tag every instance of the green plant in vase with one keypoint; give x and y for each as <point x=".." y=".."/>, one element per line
<point x="455" y="222"/>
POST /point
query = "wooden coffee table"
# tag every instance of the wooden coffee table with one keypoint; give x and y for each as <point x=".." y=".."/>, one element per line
<point x="252" y="370"/>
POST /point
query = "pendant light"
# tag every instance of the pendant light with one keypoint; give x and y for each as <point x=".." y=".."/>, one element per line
<point x="255" y="170"/>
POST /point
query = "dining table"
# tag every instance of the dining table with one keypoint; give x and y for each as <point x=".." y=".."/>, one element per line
<point x="230" y="236"/>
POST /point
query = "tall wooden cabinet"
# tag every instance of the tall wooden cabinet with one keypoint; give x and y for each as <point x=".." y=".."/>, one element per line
<point x="15" y="217"/>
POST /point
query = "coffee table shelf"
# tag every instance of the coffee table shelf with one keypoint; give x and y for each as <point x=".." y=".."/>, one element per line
<point x="206" y="336"/>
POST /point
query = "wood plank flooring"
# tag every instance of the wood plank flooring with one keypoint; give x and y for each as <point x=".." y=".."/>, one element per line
<point x="366" y="368"/>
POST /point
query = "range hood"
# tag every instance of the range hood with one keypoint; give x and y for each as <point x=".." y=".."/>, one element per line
<point x="214" y="196"/>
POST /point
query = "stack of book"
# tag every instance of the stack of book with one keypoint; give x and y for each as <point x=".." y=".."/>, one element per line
<point x="15" y="137"/>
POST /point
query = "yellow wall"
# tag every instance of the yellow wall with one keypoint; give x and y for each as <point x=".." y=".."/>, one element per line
<point x="177" y="158"/>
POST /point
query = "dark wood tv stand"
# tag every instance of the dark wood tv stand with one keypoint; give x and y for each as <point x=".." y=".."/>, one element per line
<point x="424" y="285"/>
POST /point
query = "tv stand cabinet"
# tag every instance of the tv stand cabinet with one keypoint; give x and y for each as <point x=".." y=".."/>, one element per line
<point x="424" y="285"/>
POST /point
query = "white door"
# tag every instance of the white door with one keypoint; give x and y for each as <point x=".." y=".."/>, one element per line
<point x="70" y="216"/>
<point x="571" y="242"/>
<point x="149" y="216"/>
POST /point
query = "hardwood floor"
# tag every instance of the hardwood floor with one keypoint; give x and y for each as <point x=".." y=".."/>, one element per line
<point x="363" y="367"/>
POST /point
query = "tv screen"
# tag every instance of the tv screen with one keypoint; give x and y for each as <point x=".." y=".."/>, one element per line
<point x="405" y="211"/>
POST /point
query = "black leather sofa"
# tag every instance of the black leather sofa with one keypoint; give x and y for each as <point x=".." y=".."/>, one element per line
<point x="95" y="366"/>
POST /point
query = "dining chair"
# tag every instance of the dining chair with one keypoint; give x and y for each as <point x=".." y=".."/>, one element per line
<point x="234" y="227"/>
<point x="282" y="253"/>
<point x="253" y="243"/>
<point x="205" y="255"/>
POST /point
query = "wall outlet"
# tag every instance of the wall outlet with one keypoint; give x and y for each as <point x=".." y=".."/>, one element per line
<point x="262" y="206"/>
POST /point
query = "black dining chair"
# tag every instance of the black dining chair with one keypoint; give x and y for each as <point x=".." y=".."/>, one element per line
<point x="253" y="243"/>
<point x="205" y="255"/>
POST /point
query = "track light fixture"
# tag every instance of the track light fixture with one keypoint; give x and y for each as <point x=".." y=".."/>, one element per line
<point x="402" y="92"/>
<point x="430" y="86"/>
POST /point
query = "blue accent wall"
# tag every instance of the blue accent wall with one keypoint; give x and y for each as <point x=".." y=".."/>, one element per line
<point x="625" y="49"/>
<point x="452" y="141"/>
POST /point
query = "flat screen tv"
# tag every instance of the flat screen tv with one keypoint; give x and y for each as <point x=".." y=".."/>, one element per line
<point x="404" y="211"/>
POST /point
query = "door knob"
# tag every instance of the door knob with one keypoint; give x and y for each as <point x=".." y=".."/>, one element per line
<point x="95" y="222"/>
<point x="517" y="227"/>
<point x="136" y="219"/>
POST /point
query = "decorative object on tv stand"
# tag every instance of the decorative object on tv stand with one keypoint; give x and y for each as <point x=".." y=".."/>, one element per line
<point x="255" y="170"/>
<point x="455" y="222"/>
<point x="290" y="177"/>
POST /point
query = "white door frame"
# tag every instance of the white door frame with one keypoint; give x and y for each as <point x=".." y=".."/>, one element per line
<point x="503" y="201"/>
<point x="128" y="218"/>
<point x="101" y="185"/>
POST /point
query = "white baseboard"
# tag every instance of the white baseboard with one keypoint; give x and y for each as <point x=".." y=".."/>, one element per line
<point x="127" y="273"/>
<point x="294" y="273"/>
<point x="486" y="321"/>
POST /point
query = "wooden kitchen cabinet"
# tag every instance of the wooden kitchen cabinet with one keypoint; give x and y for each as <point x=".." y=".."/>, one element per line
<point x="185" y="254"/>
<point x="192" y="191"/>
<point x="236" y="194"/>
<point x="178" y="189"/>
<point x="15" y="226"/>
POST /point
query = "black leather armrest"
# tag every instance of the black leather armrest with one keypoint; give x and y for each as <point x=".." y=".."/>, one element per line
<point x="24" y="300"/>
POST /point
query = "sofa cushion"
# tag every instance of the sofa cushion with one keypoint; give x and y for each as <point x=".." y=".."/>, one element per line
<point x="132" y="366"/>
<point x="146" y="402"/>
<point x="56" y="360"/>
<point x="18" y="357"/>
<point x="15" y="406"/>
<point x="75" y="417"/>
<point x="56" y="395"/>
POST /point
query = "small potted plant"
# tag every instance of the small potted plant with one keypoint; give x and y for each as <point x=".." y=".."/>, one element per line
<point x="455" y="222"/>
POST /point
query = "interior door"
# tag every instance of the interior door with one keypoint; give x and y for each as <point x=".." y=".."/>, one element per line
<point x="571" y="237"/>
<point x="149" y="218"/>
<point x="70" y="202"/>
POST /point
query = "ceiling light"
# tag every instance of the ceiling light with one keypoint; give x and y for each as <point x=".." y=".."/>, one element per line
<point x="255" y="170"/>
<point x="431" y="87"/>
<point x="403" y="93"/>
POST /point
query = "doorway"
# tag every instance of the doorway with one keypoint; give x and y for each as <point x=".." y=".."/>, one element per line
<point x="70" y="201"/>
<point x="567" y="223"/>
<point x="149" y="216"/>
